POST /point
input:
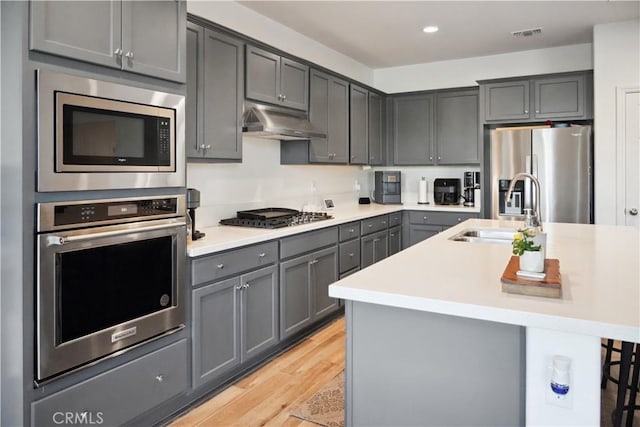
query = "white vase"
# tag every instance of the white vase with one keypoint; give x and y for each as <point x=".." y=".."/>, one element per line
<point x="541" y="239"/>
<point x="532" y="261"/>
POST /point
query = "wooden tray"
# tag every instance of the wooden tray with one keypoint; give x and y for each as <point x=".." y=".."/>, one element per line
<point x="550" y="286"/>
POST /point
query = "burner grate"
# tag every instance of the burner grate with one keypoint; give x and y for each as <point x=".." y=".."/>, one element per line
<point x="286" y="220"/>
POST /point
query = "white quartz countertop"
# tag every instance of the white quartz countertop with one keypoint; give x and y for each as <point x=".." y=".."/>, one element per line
<point x="224" y="237"/>
<point x="600" y="268"/>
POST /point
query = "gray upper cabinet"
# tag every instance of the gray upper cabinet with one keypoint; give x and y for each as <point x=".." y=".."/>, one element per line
<point x="214" y="95"/>
<point x="359" y="125"/>
<point x="413" y="129"/>
<point x="563" y="96"/>
<point x="143" y="37"/>
<point x="557" y="97"/>
<point x="376" y="129"/>
<point x="507" y="100"/>
<point x="276" y="80"/>
<point x="329" y="112"/>
<point x="457" y="130"/>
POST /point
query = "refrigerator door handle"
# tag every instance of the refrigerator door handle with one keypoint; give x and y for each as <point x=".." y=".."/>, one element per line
<point x="534" y="165"/>
<point x="527" y="186"/>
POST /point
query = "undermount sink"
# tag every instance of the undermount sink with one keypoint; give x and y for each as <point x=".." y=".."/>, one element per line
<point x="485" y="235"/>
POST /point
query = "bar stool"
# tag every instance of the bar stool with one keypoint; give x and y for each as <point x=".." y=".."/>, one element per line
<point x="629" y="366"/>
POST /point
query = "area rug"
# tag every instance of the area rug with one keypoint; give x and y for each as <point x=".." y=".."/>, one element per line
<point x="326" y="406"/>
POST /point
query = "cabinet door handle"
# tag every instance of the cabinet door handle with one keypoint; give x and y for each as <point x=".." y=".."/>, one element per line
<point x="261" y="255"/>
<point x="430" y="157"/>
<point x="129" y="56"/>
<point x="220" y="266"/>
<point x="424" y="217"/>
<point x="315" y="261"/>
<point x="392" y="235"/>
<point x="526" y="111"/>
<point x="284" y="97"/>
<point x="246" y="285"/>
<point x="351" y="230"/>
<point x="159" y="378"/>
<point x="118" y="52"/>
<point x="238" y="287"/>
<point x="370" y="225"/>
<point x="459" y="219"/>
<point x="384" y="222"/>
<point x="376" y="240"/>
<point x="537" y="111"/>
<point x="351" y="255"/>
<point x="439" y="158"/>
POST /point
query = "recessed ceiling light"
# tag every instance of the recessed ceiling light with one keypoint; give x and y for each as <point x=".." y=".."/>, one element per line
<point x="430" y="29"/>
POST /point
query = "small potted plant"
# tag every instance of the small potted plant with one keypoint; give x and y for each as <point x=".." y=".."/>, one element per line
<point x="531" y="254"/>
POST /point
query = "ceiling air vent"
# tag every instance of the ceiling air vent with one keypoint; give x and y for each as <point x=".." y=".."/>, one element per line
<point x="527" y="33"/>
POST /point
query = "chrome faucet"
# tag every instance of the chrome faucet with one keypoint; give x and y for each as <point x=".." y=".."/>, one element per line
<point x="532" y="219"/>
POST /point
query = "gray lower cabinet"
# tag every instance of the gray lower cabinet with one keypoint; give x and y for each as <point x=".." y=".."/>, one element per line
<point x="420" y="225"/>
<point x="395" y="240"/>
<point x="121" y="394"/>
<point x="377" y="138"/>
<point x="413" y="129"/>
<point x="309" y="264"/>
<point x="146" y="37"/>
<point x="215" y="93"/>
<point x="457" y="129"/>
<point x="276" y="80"/>
<point x="233" y="321"/>
<point x="539" y="98"/>
<point x="304" y="289"/>
<point x="358" y="125"/>
<point x="374" y="248"/>
<point x="329" y="112"/>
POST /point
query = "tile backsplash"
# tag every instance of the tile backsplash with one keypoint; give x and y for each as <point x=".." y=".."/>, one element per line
<point x="261" y="181"/>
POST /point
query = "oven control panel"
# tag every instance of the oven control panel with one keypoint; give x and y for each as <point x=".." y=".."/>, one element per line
<point x="59" y="215"/>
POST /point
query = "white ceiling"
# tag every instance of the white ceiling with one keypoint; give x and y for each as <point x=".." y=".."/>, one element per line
<point x="383" y="34"/>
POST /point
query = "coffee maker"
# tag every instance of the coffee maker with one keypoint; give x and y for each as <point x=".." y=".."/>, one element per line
<point x="193" y="202"/>
<point x="471" y="184"/>
<point x="387" y="187"/>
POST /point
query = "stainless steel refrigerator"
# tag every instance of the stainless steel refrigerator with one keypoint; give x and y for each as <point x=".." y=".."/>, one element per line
<point x="561" y="159"/>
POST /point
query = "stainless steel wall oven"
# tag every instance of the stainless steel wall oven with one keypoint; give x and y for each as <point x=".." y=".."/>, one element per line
<point x="110" y="275"/>
<point x="97" y="135"/>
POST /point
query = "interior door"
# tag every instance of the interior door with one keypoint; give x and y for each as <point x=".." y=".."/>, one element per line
<point x="632" y="158"/>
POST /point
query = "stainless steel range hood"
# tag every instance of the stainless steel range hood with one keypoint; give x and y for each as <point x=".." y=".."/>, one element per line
<point x="262" y="121"/>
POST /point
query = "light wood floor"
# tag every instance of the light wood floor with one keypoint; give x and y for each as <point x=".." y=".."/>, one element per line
<point x="268" y="396"/>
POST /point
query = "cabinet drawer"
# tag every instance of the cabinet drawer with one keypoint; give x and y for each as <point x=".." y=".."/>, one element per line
<point x="214" y="267"/>
<point x="372" y="225"/>
<point x="307" y="242"/>
<point x="121" y="394"/>
<point x="349" y="255"/>
<point x="349" y="231"/>
<point x="443" y="218"/>
<point x="395" y="219"/>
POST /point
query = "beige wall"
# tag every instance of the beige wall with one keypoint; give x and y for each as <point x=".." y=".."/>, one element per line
<point x="616" y="55"/>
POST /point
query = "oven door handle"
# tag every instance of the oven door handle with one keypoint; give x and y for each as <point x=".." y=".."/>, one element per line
<point x="57" y="240"/>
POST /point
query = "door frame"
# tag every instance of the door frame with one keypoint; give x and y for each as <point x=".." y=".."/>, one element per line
<point x="621" y="93"/>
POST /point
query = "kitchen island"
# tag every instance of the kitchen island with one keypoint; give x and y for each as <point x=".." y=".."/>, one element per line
<point x="422" y="327"/>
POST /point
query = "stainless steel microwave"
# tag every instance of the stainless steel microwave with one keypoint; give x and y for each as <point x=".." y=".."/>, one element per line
<point x="97" y="135"/>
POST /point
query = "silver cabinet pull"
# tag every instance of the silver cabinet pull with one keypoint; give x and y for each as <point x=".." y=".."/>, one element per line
<point x="220" y="266"/>
<point x="392" y="235"/>
<point x="376" y="240"/>
<point x="384" y="222"/>
<point x="633" y="211"/>
<point x="315" y="261"/>
<point x="117" y="52"/>
<point x="238" y="287"/>
<point x="370" y="225"/>
<point x="159" y="378"/>
<point x="246" y="285"/>
<point x="129" y="55"/>
<point x="351" y="255"/>
<point x="261" y="255"/>
<point x="351" y="230"/>
<point x="284" y="97"/>
<point x="424" y="217"/>
<point x="526" y="111"/>
<point x="459" y="219"/>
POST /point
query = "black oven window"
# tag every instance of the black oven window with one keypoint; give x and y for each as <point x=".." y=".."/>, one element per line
<point x="105" y="286"/>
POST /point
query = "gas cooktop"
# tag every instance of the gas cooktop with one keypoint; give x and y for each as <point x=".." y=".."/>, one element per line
<point x="274" y="218"/>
